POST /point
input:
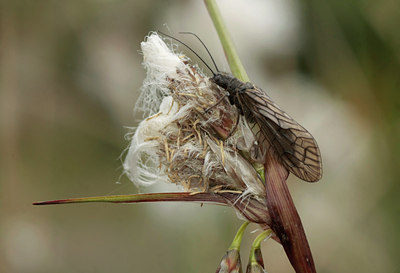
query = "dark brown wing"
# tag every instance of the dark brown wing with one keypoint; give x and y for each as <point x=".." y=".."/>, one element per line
<point x="295" y="146"/>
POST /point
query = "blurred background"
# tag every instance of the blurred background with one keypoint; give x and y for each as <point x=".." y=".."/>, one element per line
<point x="70" y="72"/>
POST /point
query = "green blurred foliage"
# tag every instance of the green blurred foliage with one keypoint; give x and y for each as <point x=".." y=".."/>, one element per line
<point x="354" y="48"/>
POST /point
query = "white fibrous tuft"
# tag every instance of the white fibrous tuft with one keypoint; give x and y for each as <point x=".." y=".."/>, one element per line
<point x="142" y="163"/>
<point x="187" y="137"/>
<point x="161" y="64"/>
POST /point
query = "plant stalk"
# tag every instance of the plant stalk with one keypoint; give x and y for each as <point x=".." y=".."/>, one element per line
<point x="231" y="54"/>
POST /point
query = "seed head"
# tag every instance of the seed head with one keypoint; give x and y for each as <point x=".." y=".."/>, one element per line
<point x="191" y="136"/>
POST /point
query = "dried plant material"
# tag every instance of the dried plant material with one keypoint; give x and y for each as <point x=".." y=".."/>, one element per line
<point x="285" y="220"/>
<point x="185" y="139"/>
<point x="252" y="210"/>
<point x="189" y="139"/>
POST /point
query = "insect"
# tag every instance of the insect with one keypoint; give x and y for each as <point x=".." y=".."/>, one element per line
<point x="292" y="143"/>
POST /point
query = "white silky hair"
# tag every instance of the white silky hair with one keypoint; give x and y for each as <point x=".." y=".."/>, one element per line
<point x="143" y="162"/>
<point x="161" y="64"/>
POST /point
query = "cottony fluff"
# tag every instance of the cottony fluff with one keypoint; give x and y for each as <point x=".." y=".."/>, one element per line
<point x="187" y="137"/>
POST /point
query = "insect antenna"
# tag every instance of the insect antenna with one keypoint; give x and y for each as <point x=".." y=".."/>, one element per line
<point x="173" y="38"/>
<point x="209" y="54"/>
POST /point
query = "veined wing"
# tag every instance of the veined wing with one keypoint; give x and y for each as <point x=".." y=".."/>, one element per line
<point x="295" y="146"/>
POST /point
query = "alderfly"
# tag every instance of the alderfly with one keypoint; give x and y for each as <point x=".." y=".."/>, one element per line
<point x="292" y="143"/>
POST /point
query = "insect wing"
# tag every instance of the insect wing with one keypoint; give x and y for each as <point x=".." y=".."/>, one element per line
<point x="294" y="145"/>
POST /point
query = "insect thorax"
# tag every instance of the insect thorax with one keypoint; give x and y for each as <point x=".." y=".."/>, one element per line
<point x="234" y="87"/>
<point x="230" y="83"/>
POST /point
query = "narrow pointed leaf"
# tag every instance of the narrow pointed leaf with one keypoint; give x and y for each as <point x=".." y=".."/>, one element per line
<point x="286" y="222"/>
<point x="142" y="198"/>
<point x="252" y="209"/>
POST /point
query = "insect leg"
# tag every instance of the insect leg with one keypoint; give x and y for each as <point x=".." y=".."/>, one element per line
<point x="218" y="102"/>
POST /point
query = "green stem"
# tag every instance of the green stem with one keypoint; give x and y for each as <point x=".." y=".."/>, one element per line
<point x="235" y="64"/>
<point x="238" y="237"/>
<point x="257" y="244"/>
<point x="231" y="54"/>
